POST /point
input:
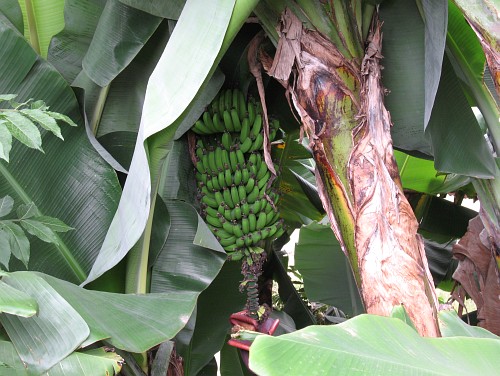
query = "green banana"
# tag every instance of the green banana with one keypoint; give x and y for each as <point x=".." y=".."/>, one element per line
<point x="218" y="124"/>
<point x="235" y="120"/>
<point x="211" y="162"/>
<point x="256" y="126"/>
<point x="221" y="233"/>
<point x="262" y="171"/>
<point x="251" y="112"/>
<point x="210" y="201"/>
<point x="214" y="221"/>
<point x="252" y="220"/>
<point x="227" y="241"/>
<point x="225" y="159"/>
<point x="256" y="237"/>
<point x="237" y="230"/>
<point x="262" y="182"/>
<point x="228" y="177"/>
<point x="237" y="211"/>
<point x="242" y="105"/>
<point x="245" y="175"/>
<point x="245" y="225"/>
<point x="235" y="256"/>
<point x="200" y="128"/>
<point x="233" y="160"/>
<point x="226" y="193"/>
<point x="218" y="159"/>
<point x="208" y="120"/>
<point x="261" y="221"/>
<point x="242" y="193"/>
<point x="240" y="242"/>
<point x="221" y="178"/>
<point x="219" y="198"/>
<point x="235" y="98"/>
<point x="245" y="129"/>
<point x="252" y="196"/>
<point x="228" y="227"/>
<point x="258" y="142"/>
<point x="228" y="96"/>
<point x="245" y="208"/>
<point x="227" y="140"/>
<point x="240" y="157"/>
<point x="234" y="195"/>
<point x="228" y="122"/>
<point x="246" y="145"/>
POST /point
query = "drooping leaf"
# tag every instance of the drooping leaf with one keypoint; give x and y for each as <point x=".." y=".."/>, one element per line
<point x="70" y="181"/>
<point x="45" y="339"/>
<point x="357" y="345"/>
<point x="121" y="32"/>
<point x="327" y="275"/>
<point x="16" y="302"/>
<point x="5" y="252"/>
<point x="42" y="19"/>
<point x="161" y="361"/>
<point x="11" y="12"/>
<point x="171" y="9"/>
<point x="451" y="325"/>
<point x="6" y="205"/>
<point x="399" y="312"/>
<point x="163" y="106"/>
<point x="138" y="322"/>
<point x="95" y="362"/>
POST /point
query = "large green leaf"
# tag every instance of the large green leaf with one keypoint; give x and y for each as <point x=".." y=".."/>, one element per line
<point x="42" y="20"/>
<point x="371" y="345"/>
<point x="452" y="126"/>
<point x="138" y="322"/>
<point x="16" y="302"/>
<point x="69" y="181"/>
<point x="94" y="362"/>
<point x="451" y="325"/>
<point x="54" y="333"/>
<point x="198" y="342"/>
<point x="327" y="275"/>
<point x="166" y="9"/>
<point x="10" y="12"/>
<point x="172" y="86"/>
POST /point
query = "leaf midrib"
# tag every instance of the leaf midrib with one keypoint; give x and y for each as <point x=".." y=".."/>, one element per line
<point x="61" y="247"/>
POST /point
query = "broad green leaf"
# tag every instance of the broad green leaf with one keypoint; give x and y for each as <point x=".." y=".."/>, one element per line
<point x="70" y="181"/>
<point x="23" y="129"/>
<point x="39" y="230"/>
<point x="53" y="223"/>
<point x="68" y="48"/>
<point x="5" y="141"/>
<point x="121" y="32"/>
<point x="100" y="361"/>
<point x="47" y="338"/>
<point x="44" y="120"/>
<point x="371" y="345"/>
<point x="404" y="73"/>
<point x="170" y="9"/>
<point x="451" y="325"/>
<point x="6" y="205"/>
<point x="172" y="86"/>
<point x="16" y="302"/>
<point x="457" y="140"/>
<point x="467" y="56"/>
<point x="205" y="335"/>
<point x="18" y="242"/>
<point x="137" y="322"/>
<point x="11" y="12"/>
<point x="327" y="275"/>
<point x="42" y="19"/>
<point x="95" y="362"/>
<point x="25" y="211"/>
<point x="435" y="14"/>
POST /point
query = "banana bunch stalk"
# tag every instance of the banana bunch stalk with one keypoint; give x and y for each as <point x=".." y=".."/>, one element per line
<point x="238" y="202"/>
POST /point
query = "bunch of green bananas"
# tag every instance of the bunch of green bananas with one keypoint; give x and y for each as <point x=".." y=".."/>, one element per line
<point x="237" y="202"/>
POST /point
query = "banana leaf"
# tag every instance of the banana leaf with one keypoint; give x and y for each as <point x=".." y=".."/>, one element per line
<point x="69" y="181"/>
<point x="42" y="19"/>
<point x="371" y="345"/>
<point x="405" y="77"/>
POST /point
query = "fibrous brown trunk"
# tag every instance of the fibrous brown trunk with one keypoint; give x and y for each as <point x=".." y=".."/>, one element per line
<point x="340" y="102"/>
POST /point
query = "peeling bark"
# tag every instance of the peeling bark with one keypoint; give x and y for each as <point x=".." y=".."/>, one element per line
<point x="391" y="254"/>
<point x="340" y="102"/>
<point x="478" y="274"/>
